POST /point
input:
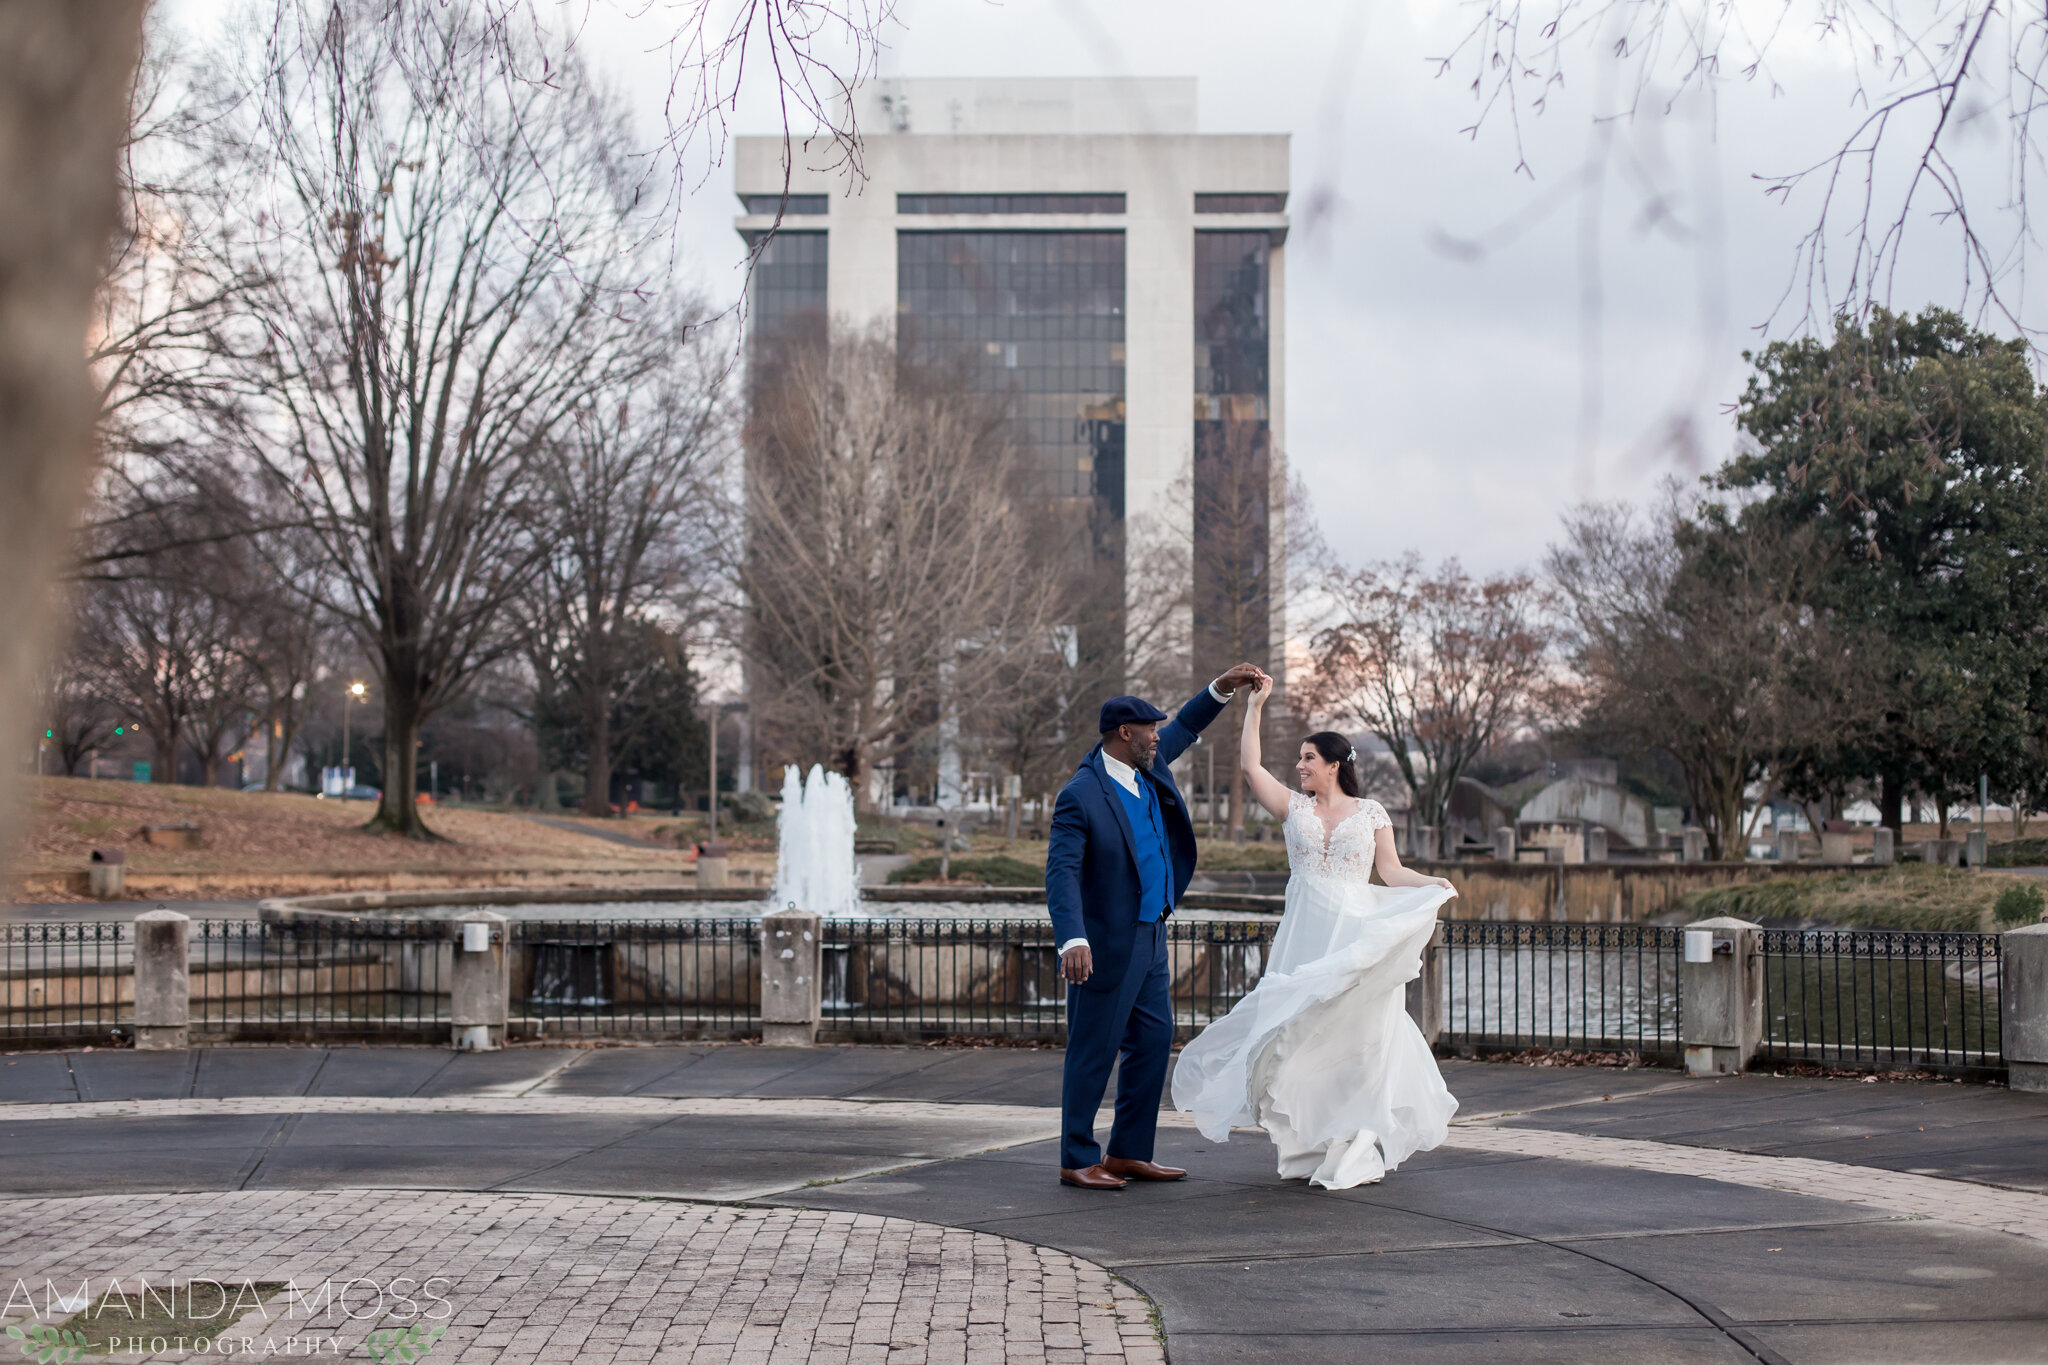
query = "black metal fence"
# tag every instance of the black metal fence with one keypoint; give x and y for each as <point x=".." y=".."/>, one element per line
<point x="320" y="978"/>
<point x="1594" y="987"/>
<point x="914" y="978"/>
<point x="672" y="978"/>
<point x="66" y="982"/>
<point x="1858" y="998"/>
<point x="1842" y="998"/>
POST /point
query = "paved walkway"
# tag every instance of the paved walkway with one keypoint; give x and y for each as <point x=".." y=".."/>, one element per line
<point x="1575" y="1214"/>
<point x="551" y="1279"/>
<point x="597" y="831"/>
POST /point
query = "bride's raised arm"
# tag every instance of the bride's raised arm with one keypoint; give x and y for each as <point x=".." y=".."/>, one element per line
<point x="1267" y="790"/>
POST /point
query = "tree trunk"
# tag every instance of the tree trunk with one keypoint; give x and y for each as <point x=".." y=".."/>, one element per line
<point x="1891" y="802"/>
<point x="65" y="68"/>
<point x="597" y="755"/>
<point x="284" y="734"/>
<point x="166" y="770"/>
<point x="398" y="810"/>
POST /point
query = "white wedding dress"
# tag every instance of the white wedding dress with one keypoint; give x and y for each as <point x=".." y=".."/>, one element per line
<point x="1322" y="1053"/>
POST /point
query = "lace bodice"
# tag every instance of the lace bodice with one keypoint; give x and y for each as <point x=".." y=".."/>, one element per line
<point x="1344" y="853"/>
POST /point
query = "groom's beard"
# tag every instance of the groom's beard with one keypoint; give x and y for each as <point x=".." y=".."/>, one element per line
<point x="1142" y="758"/>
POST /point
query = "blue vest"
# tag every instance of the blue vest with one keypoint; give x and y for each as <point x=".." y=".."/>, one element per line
<point x="1148" y="834"/>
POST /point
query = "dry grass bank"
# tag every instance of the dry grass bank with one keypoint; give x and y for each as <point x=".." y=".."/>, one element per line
<point x="267" y="841"/>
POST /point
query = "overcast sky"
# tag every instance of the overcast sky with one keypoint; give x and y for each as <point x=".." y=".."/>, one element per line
<point x="1438" y="400"/>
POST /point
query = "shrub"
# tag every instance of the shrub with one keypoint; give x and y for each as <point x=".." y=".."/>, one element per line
<point x="2019" y="904"/>
<point x="750" y="808"/>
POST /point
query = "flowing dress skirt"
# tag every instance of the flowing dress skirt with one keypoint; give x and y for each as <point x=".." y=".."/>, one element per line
<point x="1322" y="1053"/>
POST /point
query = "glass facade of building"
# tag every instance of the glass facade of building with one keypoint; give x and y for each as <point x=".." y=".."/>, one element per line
<point x="1037" y="318"/>
<point x="796" y="206"/>
<point x="1232" y="446"/>
<point x="786" y="294"/>
<point x="1240" y="203"/>
<point x="1009" y="203"/>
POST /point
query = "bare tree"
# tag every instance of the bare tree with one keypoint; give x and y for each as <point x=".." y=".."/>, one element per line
<point x="289" y="637"/>
<point x="445" y="282"/>
<point x="80" y="715"/>
<point x="1437" y="665"/>
<point x="887" y="574"/>
<point x="67" y="71"/>
<point x="1919" y="76"/>
<point x="1693" y="635"/>
<point x="629" y="510"/>
<point x="165" y="643"/>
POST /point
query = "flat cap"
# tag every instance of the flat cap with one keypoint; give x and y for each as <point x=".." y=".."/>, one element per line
<point x="1129" y="711"/>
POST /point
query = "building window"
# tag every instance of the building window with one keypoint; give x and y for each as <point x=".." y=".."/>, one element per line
<point x="797" y="206"/>
<point x="1037" y="317"/>
<point x="1240" y="203"/>
<point x="785" y="295"/>
<point x="1009" y="203"/>
<point x="1234" y="580"/>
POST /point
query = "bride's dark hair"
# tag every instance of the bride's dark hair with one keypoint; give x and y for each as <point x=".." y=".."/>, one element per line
<point x="1336" y="749"/>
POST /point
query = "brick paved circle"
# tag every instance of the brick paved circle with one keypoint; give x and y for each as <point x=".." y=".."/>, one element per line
<point x="567" y="1278"/>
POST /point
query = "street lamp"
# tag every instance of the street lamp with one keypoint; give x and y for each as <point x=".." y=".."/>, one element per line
<point x="354" y="694"/>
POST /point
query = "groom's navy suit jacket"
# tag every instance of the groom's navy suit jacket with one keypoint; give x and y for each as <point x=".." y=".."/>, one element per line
<point x="1091" y="869"/>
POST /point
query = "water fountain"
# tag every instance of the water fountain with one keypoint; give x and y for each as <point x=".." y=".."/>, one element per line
<point x="814" y="864"/>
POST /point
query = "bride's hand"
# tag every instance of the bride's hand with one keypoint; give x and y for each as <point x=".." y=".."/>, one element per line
<point x="1445" y="883"/>
<point x="1262" y="688"/>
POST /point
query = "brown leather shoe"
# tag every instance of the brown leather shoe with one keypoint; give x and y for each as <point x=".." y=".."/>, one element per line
<point x="1141" y="1170"/>
<point x="1094" y="1178"/>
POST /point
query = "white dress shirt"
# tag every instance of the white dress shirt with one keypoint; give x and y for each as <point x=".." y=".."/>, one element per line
<point x="1125" y="776"/>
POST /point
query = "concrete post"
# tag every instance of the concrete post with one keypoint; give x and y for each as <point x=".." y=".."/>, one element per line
<point x="711" y="867"/>
<point x="1721" y="994"/>
<point x="107" y="874"/>
<point x="1596" y="845"/>
<point x="1882" y="851"/>
<point x="1976" y="850"/>
<point x="480" y="995"/>
<point x="1693" y="845"/>
<point x="2023" y="1006"/>
<point x="1835" y="846"/>
<point x="791" y="988"/>
<point x="1788" y="845"/>
<point x="163" y="984"/>
<point x="1504" y="843"/>
<point x="1426" y="991"/>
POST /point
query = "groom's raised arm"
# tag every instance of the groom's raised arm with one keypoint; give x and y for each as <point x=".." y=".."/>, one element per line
<point x="1200" y="710"/>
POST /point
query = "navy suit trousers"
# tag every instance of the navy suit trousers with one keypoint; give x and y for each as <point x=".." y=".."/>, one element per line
<point x="1135" y="1023"/>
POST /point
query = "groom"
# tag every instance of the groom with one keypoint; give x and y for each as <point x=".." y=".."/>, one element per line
<point x="1121" y="852"/>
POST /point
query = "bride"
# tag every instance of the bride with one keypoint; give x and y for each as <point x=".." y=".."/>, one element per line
<point x="1322" y="1053"/>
